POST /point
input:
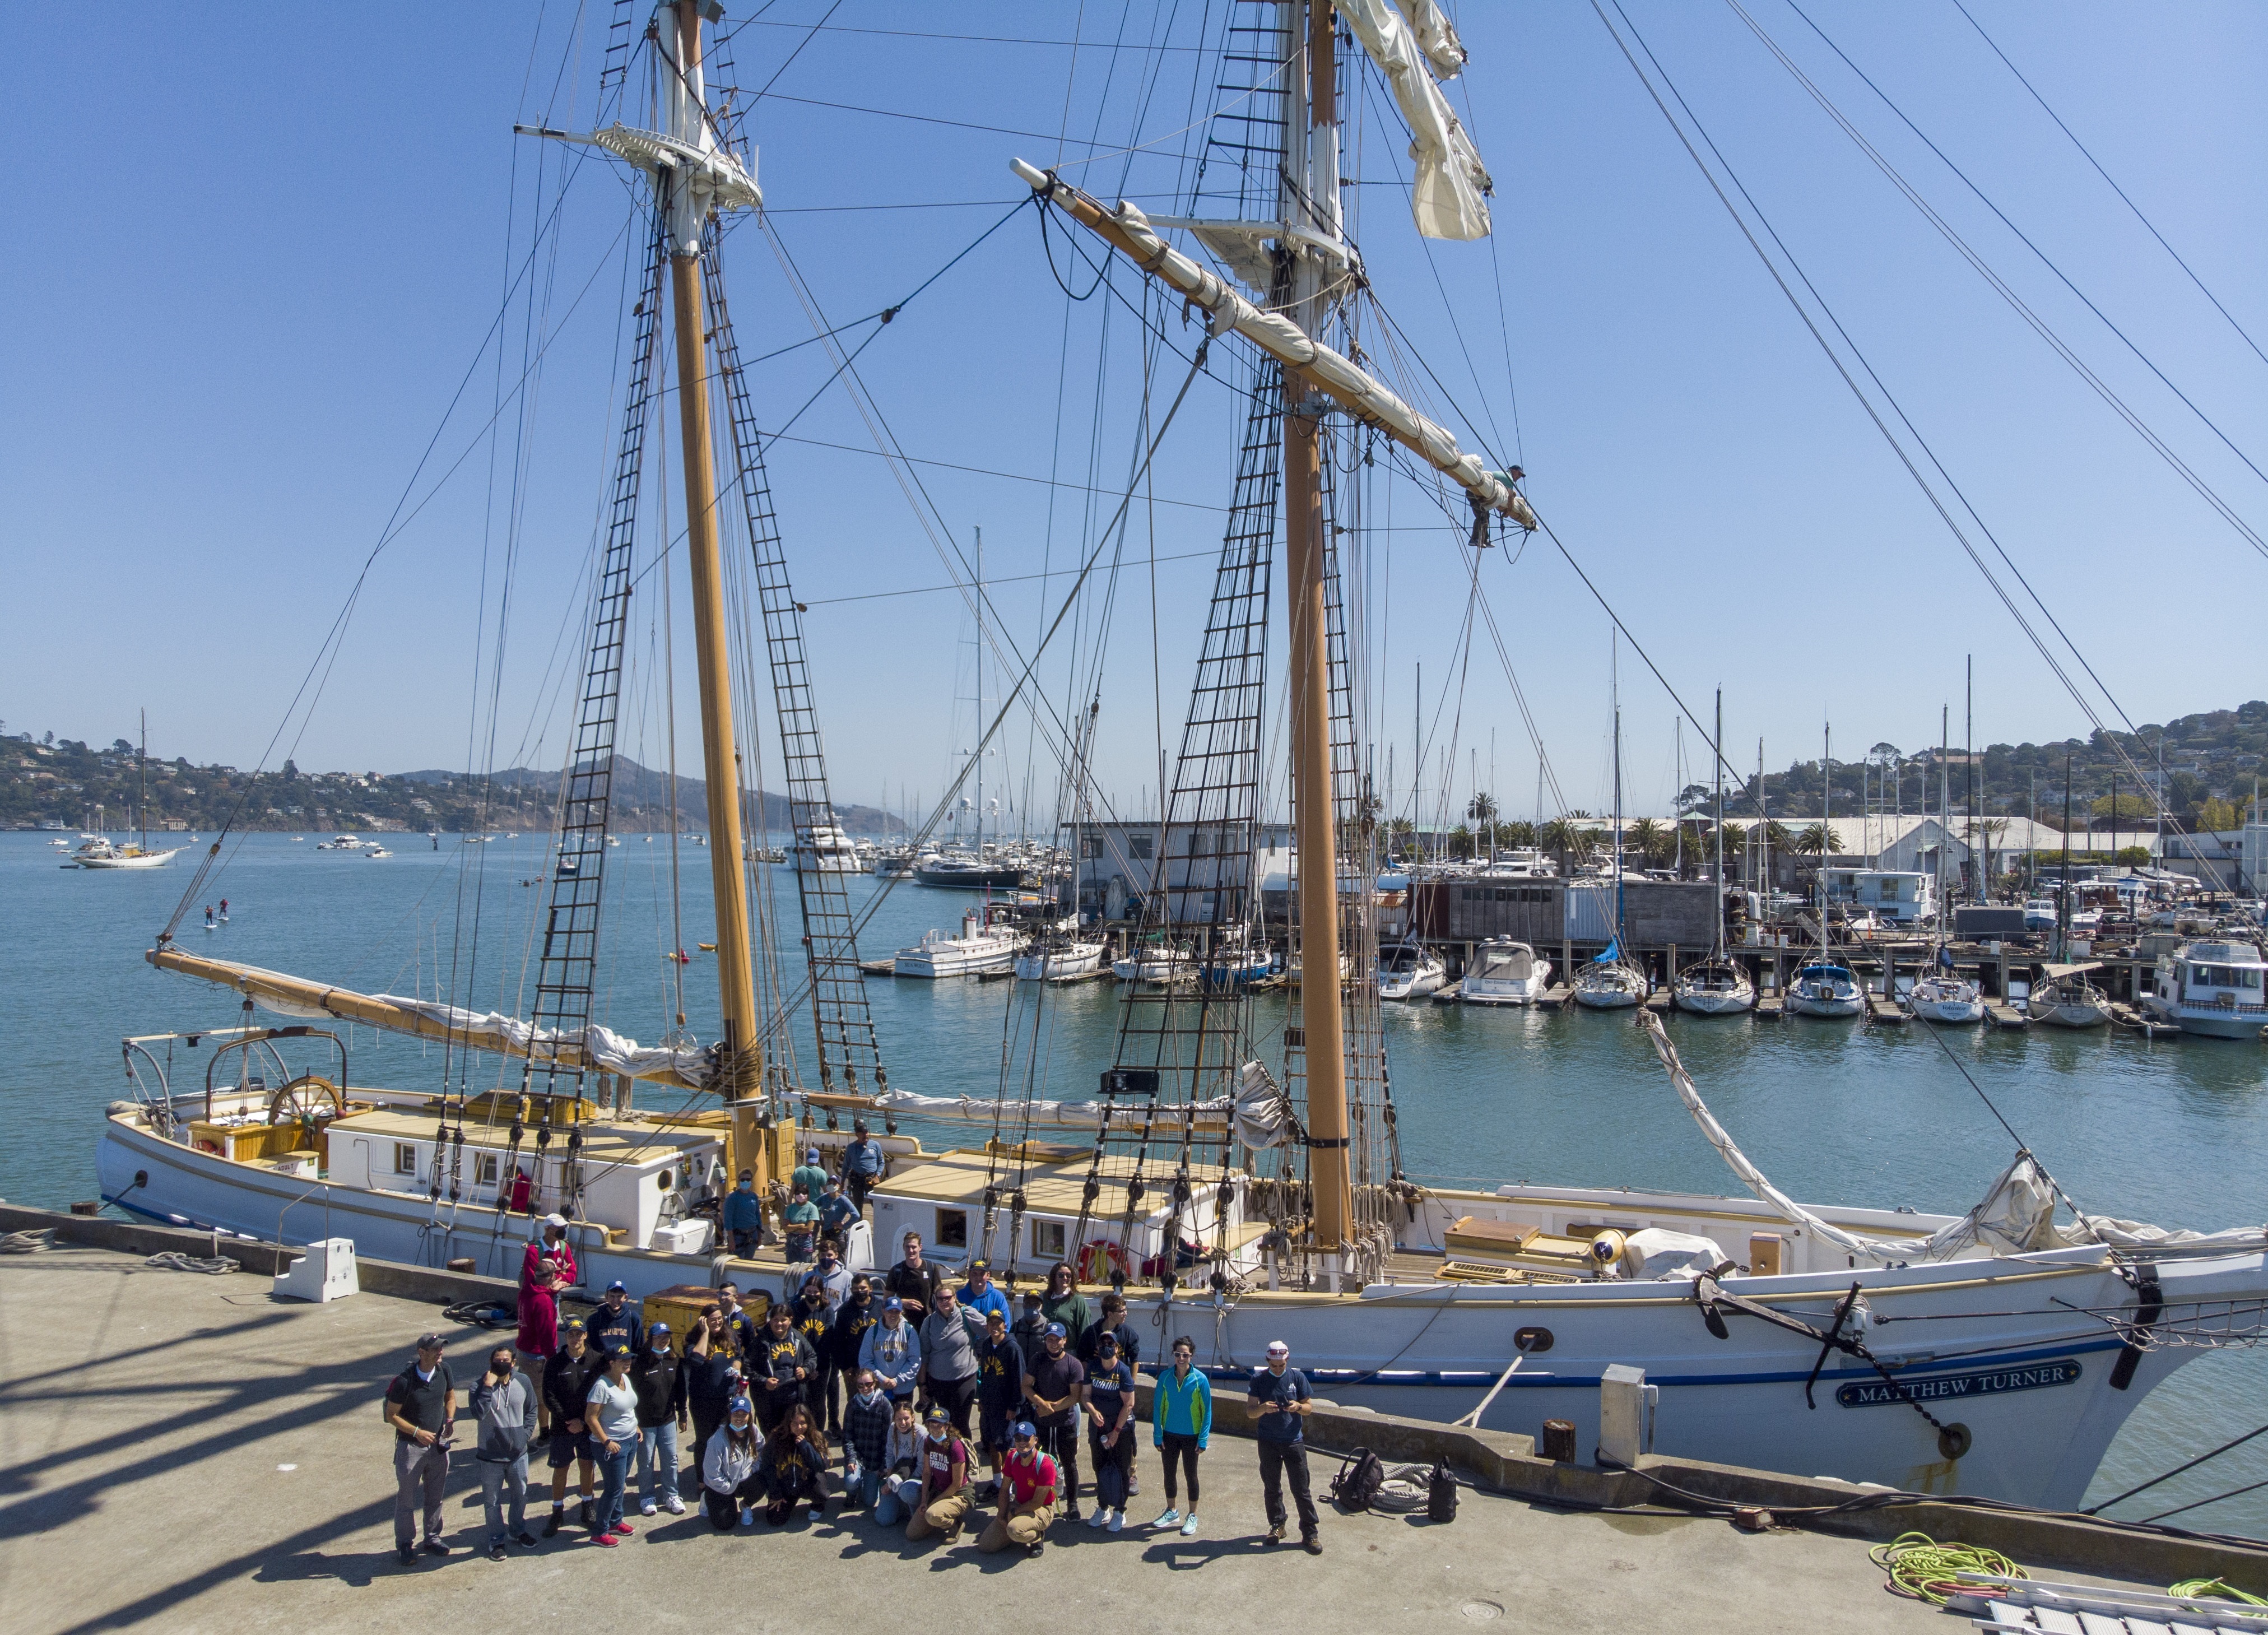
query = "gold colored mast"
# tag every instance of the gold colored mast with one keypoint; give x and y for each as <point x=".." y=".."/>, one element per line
<point x="720" y="755"/>
<point x="1320" y="1011"/>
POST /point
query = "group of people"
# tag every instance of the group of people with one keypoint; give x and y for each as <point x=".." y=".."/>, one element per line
<point x="881" y="1393"/>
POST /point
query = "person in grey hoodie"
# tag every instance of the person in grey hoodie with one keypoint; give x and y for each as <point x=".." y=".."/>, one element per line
<point x="504" y="1406"/>
<point x="950" y="1336"/>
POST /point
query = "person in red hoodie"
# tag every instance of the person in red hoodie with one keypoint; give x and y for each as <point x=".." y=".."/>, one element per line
<point x="546" y="1266"/>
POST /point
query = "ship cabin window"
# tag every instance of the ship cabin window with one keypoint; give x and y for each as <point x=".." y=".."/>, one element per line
<point x="484" y="1169"/>
<point x="405" y="1158"/>
<point x="1137" y="846"/>
<point x="1090" y="846"/>
<point x="1048" y="1240"/>
<point x="952" y="1229"/>
<point x="2223" y="977"/>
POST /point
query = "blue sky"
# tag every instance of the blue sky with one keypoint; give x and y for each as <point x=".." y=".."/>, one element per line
<point x="254" y="252"/>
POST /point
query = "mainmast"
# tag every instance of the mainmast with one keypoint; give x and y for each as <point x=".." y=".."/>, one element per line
<point x="1316" y="194"/>
<point x="686" y="205"/>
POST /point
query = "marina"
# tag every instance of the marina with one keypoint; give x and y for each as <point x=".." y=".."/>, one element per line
<point x="1795" y="1153"/>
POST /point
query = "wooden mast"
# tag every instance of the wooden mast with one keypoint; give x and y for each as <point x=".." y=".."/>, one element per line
<point x="1321" y="1014"/>
<point x="720" y="757"/>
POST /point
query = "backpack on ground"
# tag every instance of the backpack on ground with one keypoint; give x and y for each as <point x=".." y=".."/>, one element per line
<point x="1441" y="1493"/>
<point x="1110" y="1486"/>
<point x="1360" y="1476"/>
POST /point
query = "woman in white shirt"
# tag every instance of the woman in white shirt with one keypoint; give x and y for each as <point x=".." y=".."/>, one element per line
<point x="611" y="1414"/>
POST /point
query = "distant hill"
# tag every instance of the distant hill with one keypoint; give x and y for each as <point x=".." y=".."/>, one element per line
<point x="65" y="782"/>
<point x="2210" y="761"/>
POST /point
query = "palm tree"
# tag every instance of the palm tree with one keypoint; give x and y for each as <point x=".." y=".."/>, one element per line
<point x="1811" y="842"/>
<point x="1481" y="810"/>
<point x="1515" y="832"/>
<point x="1401" y="837"/>
<point x="1461" y="842"/>
<point x="1565" y="835"/>
<point x="1648" y="839"/>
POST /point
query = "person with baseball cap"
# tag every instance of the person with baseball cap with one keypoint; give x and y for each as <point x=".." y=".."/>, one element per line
<point x="504" y="1407"/>
<point x="945" y="1491"/>
<point x="980" y="1294"/>
<point x="420" y="1405"/>
<point x="611" y="1413"/>
<point x="799" y="1224"/>
<point x="999" y="1388"/>
<point x="658" y="1376"/>
<point x="615" y="1322"/>
<point x="730" y="1484"/>
<point x="1279" y="1407"/>
<point x="1029" y="1483"/>
<point x="1054" y="1387"/>
<point x="864" y="1162"/>
<point x="1110" y="1430"/>
<point x="892" y="1350"/>
<point x="811" y="1176"/>
<point x="743" y="1216"/>
<point x="567" y="1380"/>
<point x="545" y="1267"/>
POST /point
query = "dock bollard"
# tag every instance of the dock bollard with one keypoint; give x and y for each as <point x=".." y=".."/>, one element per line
<point x="1558" y="1440"/>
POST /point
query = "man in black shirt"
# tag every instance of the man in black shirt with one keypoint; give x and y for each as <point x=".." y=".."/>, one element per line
<point x="915" y="1281"/>
<point x="1054" y="1387"/>
<point x="999" y="1388"/>
<point x="782" y="1362"/>
<point x="1113" y="1322"/>
<point x="566" y="1381"/>
<point x="420" y="1405"/>
<point x="615" y="1322"/>
<point x="1029" y="1331"/>
<point x="1278" y="1410"/>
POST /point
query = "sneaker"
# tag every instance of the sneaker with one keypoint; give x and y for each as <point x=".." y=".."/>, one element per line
<point x="1276" y="1533"/>
<point x="608" y="1539"/>
<point x="435" y="1547"/>
<point x="1190" y="1526"/>
<point x="1034" y="1551"/>
<point x="1101" y="1515"/>
<point x="623" y="1529"/>
<point x="1117" y="1520"/>
<point x="1171" y="1518"/>
<point x="589" y="1514"/>
<point x="405" y="1555"/>
<point x="496" y="1551"/>
<point x="1133" y="1485"/>
<point x="525" y="1541"/>
<point x="1313" y="1546"/>
<point x="673" y="1505"/>
<point x="1071" y="1513"/>
<point x="646" y="1508"/>
<point x="558" y="1519"/>
<point x="748" y="1518"/>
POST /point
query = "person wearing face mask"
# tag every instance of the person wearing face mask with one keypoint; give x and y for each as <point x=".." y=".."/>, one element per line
<point x="811" y="1317"/>
<point x="778" y="1369"/>
<point x="999" y="1390"/>
<point x="611" y="1411"/>
<point x="944" y="1499"/>
<point x="859" y="1312"/>
<point x="732" y="1483"/>
<point x="866" y="1439"/>
<point x="1064" y="1304"/>
<point x="659" y="1378"/>
<point x="864" y="1163"/>
<point x="503" y="1405"/>
<point x="712" y="1377"/>
<point x="744" y="1215"/>
<point x="893" y="1351"/>
<point x="901" y="1478"/>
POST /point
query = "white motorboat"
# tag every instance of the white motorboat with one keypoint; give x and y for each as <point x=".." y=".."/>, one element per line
<point x="1713" y="987"/>
<point x="987" y="942"/>
<point x="1523" y="862"/>
<point x="1824" y="989"/>
<point x="1410" y="970"/>
<point x="898" y="864"/>
<point x="1942" y="997"/>
<point x="1611" y="984"/>
<point x="1504" y="972"/>
<point x="2211" y="988"/>
<point x="824" y="850"/>
<point x="2039" y="913"/>
<point x="380" y="852"/>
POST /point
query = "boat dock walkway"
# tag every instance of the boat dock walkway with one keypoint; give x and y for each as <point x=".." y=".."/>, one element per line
<point x="250" y="1426"/>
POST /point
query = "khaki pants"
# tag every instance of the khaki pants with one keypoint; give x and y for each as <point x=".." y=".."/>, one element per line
<point x="940" y="1515"/>
<point x="1020" y="1525"/>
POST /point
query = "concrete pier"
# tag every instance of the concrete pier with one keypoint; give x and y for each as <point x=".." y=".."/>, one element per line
<point x="187" y="1452"/>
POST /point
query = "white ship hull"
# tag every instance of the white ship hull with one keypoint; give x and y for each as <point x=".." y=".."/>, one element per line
<point x="1507" y="990"/>
<point x="147" y="860"/>
<point x="1954" y="1004"/>
<point x="1716" y="1001"/>
<point x="1081" y="958"/>
<point x="957" y="958"/>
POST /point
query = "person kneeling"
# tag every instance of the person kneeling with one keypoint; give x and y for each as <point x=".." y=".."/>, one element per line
<point x="730" y="1476"/>
<point x="945" y="1494"/>
<point x="1027" y="1495"/>
<point x="793" y="1467"/>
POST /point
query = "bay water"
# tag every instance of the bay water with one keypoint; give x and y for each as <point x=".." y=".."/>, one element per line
<point x="2173" y="1132"/>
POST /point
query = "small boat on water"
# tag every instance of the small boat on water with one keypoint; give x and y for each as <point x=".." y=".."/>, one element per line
<point x="1059" y="955"/>
<point x="967" y="870"/>
<point x="1943" y="996"/>
<point x="1504" y="972"/>
<point x="1410" y="970"/>
<point x="1824" y="988"/>
<point x="1610" y="984"/>
<point x="1153" y="963"/>
<point x="1713" y="987"/>
<point x="987" y="942"/>
<point x="2065" y="998"/>
<point x="2211" y="988"/>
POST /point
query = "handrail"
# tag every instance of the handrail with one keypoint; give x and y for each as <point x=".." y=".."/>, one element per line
<point x="265" y="1036"/>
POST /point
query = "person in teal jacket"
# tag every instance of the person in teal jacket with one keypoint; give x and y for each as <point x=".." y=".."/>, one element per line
<point x="1180" y="1425"/>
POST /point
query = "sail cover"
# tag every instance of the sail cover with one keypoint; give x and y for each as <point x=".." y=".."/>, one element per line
<point x="1450" y="199"/>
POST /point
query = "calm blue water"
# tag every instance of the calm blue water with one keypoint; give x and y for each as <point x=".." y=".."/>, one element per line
<point x="2175" y="1133"/>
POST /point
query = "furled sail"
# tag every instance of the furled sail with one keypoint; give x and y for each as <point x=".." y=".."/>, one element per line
<point x="1437" y="37"/>
<point x="691" y="1069"/>
<point x="1450" y="199"/>
<point x="1129" y="231"/>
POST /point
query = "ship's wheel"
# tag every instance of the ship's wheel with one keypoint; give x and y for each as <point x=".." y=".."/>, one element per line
<point x="305" y="1101"/>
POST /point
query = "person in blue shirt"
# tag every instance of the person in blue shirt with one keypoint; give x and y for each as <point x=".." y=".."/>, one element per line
<point x="615" y="1322"/>
<point x="799" y="1223"/>
<point x="811" y="1176"/>
<point x="979" y="1296"/>
<point x="1279" y="1407"/>
<point x="1109" y="1431"/>
<point x="863" y="1163"/>
<point x="835" y="1211"/>
<point x="1180" y="1420"/>
<point x="744" y="1215"/>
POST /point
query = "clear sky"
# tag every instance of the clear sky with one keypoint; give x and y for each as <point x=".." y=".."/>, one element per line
<point x="254" y="252"/>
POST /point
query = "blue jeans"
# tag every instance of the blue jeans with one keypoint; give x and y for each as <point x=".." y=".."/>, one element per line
<point x="614" y="1476"/>
<point x="658" y="1462"/>
<point x="500" y="1483"/>
<point x="892" y="1507"/>
<point x="868" y="1490"/>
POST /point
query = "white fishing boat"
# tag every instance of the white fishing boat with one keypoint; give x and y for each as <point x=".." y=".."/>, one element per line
<point x="1943" y="996"/>
<point x="1504" y="972"/>
<point x="2211" y="987"/>
<point x="988" y="941"/>
<point x="1410" y="970"/>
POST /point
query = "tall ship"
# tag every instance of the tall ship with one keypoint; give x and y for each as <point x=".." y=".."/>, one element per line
<point x="1237" y="1171"/>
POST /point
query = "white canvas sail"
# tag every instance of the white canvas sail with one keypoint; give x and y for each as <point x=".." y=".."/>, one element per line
<point x="1450" y="199"/>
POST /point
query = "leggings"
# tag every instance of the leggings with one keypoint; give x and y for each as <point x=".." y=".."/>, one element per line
<point x="1183" y="1448"/>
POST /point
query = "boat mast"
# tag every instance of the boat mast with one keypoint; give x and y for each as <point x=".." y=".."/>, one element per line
<point x="142" y="765"/>
<point x="679" y="39"/>
<point x="2063" y="897"/>
<point x="1717" y="753"/>
<point x="1313" y="187"/>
